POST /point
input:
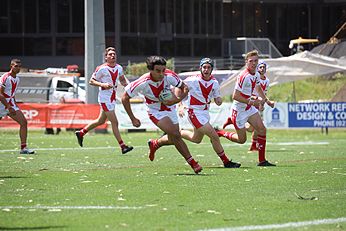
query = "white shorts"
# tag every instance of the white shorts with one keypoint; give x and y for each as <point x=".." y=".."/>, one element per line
<point x="239" y="118"/>
<point x="156" y="116"/>
<point x="198" y="118"/>
<point x="4" y="111"/>
<point x="107" y="106"/>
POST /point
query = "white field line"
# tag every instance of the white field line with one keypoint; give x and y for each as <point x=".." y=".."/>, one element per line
<point x="72" y="207"/>
<point x="141" y="146"/>
<point x="281" y="226"/>
<point x="68" y="149"/>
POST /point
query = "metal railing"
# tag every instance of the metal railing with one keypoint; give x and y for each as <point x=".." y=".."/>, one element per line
<point x="238" y="47"/>
<point x="192" y="64"/>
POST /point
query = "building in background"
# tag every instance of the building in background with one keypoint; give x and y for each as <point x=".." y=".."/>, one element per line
<point x="50" y="33"/>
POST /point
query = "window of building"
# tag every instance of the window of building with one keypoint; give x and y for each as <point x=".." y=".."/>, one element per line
<point x="167" y="48"/>
<point x="109" y="15"/>
<point x="78" y="15"/>
<point x="237" y="22"/>
<point x="124" y="19"/>
<point x="187" y="17"/>
<point x="16" y="15"/>
<point x="129" y="45"/>
<point x="214" y="47"/>
<point x="217" y="17"/>
<point x="142" y="16"/>
<point x="63" y="16"/>
<point x="30" y="15"/>
<point x="44" y="18"/>
<point x="182" y="46"/>
<point x="249" y="20"/>
<point x="6" y="49"/>
<point x="260" y="21"/>
<point x="201" y="47"/>
<point x="133" y="16"/>
<point x="4" y="16"/>
<point x="110" y="42"/>
<point x="196" y="17"/>
<point x="69" y="46"/>
<point x="147" y="46"/>
<point x="152" y="15"/>
<point x="38" y="46"/>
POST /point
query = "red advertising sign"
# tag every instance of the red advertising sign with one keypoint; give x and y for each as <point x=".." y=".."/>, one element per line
<point x="55" y="115"/>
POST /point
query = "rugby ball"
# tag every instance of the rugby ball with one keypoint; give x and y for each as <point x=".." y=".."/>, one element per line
<point x="165" y="94"/>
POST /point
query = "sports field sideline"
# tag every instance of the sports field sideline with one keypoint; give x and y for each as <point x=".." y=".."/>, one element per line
<point x="65" y="187"/>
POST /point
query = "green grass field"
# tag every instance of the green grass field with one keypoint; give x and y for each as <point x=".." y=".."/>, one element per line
<point x="65" y="187"/>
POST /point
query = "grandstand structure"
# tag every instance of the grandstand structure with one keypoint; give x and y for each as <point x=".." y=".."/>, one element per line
<point x="47" y="32"/>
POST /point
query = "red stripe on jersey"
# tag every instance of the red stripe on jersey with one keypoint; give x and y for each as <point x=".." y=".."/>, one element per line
<point x="6" y="96"/>
<point x="144" y="78"/>
<point x="245" y="96"/>
<point x="113" y="75"/>
<point x="194" y="101"/>
<point x="14" y="86"/>
<point x="241" y="78"/>
<point x="253" y="85"/>
<point x="149" y="101"/>
<point x="205" y="90"/>
<point x="172" y="73"/>
<point x="104" y="107"/>
<point x="164" y="108"/>
<point x="168" y="71"/>
<point x="157" y="90"/>
<point x="193" y="118"/>
<point x="263" y="86"/>
<point x="113" y="96"/>
<point x="99" y="67"/>
<point x="234" y="119"/>
<point x="154" y="119"/>
<point x="4" y="77"/>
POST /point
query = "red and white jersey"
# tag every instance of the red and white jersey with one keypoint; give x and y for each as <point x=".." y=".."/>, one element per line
<point x="107" y="74"/>
<point x="10" y="85"/>
<point x="264" y="83"/>
<point x="201" y="92"/>
<point x="151" y="89"/>
<point x="246" y="83"/>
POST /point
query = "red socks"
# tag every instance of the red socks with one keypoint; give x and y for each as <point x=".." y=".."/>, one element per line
<point x="227" y="135"/>
<point x="155" y="143"/>
<point x="83" y="132"/>
<point x="261" y="141"/>
<point x="223" y="157"/>
<point x="23" y="145"/>
<point x="121" y="144"/>
<point x="191" y="161"/>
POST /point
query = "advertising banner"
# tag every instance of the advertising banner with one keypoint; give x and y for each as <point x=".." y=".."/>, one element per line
<point x="55" y="115"/>
<point x="317" y="114"/>
<point x="283" y="115"/>
<point x="306" y="115"/>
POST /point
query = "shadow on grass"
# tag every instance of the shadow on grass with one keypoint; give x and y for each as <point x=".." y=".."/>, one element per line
<point x="220" y="167"/>
<point x="32" y="228"/>
<point x="12" y="177"/>
<point x="193" y="174"/>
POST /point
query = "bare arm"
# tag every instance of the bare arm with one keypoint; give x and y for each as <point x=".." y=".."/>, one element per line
<point x="237" y="96"/>
<point x="5" y="103"/>
<point x="179" y="94"/>
<point x="125" y="99"/>
<point x="96" y="83"/>
<point x="218" y="101"/>
<point x="123" y="80"/>
<point x="263" y="96"/>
